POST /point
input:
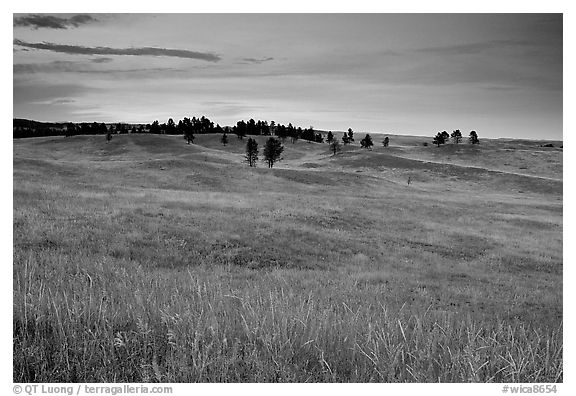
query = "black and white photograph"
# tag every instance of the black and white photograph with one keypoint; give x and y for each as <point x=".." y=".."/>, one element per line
<point x="287" y="198"/>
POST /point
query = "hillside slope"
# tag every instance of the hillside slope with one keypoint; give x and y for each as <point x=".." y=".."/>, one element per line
<point x="148" y="259"/>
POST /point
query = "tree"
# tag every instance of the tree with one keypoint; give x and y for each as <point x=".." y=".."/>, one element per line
<point x="293" y="133"/>
<point x="272" y="151"/>
<point x="188" y="130"/>
<point x="241" y="129"/>
<point x="345" y="139"/>
<point x="155" y="127"/>
<point x="439" y="139"/>
<point x="252" y="152"/>
<point x="367" y="142"/>
<point x="350" y="135"/>
<point x="473" y="139"/>
<point x="386" y="141"/>
<point x="445" y="136"/>
<point x="70" y="129"/>
<point x="170" y="127"/>
<point x="456" y="136"/>
<point x="329" y="137"/>
<point x="224" y="139"/>
<point x="335" y="146"/>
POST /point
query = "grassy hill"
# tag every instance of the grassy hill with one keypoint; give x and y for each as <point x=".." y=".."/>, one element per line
<point x="147" y="259"/>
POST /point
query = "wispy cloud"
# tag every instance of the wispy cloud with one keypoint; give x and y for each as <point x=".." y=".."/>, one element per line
<point x="85" y="68"/>
<point x="256" y="60"/>
<point x="102" y="60"/>
<point x="473" y="48"/>
<point x="134" y="51"/>
<point x="53" y="22"/>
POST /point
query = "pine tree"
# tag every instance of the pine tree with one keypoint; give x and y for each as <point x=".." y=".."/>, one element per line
<point x="439" y="139"/>
<point x="329" y="137"/>
<point x="473" y="139"/>
<point x="335" y="146"/>
<point x="456" y="136"/>
<point x="367" y="142"/>
<point x="251" y="152"/>
<point x="272" y="151"/>
<point x="345" y="139"/>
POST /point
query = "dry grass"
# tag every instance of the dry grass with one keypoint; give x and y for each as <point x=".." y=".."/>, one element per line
<point x="150" y="260"/>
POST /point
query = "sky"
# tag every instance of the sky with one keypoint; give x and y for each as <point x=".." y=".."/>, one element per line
<point x="410" y="74"/>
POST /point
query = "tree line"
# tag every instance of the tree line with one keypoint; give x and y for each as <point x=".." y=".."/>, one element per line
<point x="456" y="136"/>
<point x="188" y="127"/>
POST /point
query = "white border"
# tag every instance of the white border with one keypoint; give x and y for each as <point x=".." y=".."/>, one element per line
<point x="419" y="6"/>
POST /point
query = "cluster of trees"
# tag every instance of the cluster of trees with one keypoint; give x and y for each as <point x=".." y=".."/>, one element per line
<point x="272" y="151"/>
<point x="28" y="128"/>
<point x="348" y="138"/>
<point x="252" y="127"/>
<point x="456" y="136"/>
<point x="187" y="127"/>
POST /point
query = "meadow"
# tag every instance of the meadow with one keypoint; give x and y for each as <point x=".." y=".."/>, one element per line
<point x="145" y="259"/>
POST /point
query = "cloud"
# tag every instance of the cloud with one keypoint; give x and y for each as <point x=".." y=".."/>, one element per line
<point x="85" y="68"/>
<point x="102" y="60"/>
<point x="134" y="51"/>
<point x="257" y="61"/>
<point x="473" y="48"/>
<point x="53" y="22"/>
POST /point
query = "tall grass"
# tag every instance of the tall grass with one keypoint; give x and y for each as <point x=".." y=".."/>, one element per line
<point x="111" y="322"/>
<point x="173" y="263"/>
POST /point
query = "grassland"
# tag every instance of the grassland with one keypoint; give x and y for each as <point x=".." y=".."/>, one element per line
<point x="147" y="259"/>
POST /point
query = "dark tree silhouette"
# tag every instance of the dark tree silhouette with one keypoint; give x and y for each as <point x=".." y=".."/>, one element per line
<point x="350" y="135"/>
<point x="473" y="139"/>
<point x="386" y="141"/>
<point x="294" y="133"/>
<point x="439" y="139"/>
<point x="188" y="130"/>
<point x="155" y="127"/>
<point x="241" y="129"/>
<point x="224" y="139"/>
<point x="70" y="129"/>
<point x="170" y="127"/>
<point x="272" y="127"/>
<point x="367" y="142"/>
<point x="251" y="152"/>
<point x="335" y="146"/>
<point x="456" y="136"/>
<point x="446" y="136"/>
<point x="329" y="137"/>
<point x="272" y="151"/>
<point x="345" y="139"/>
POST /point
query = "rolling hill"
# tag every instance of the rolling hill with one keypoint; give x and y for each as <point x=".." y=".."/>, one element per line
<point x="148" y="259"/>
